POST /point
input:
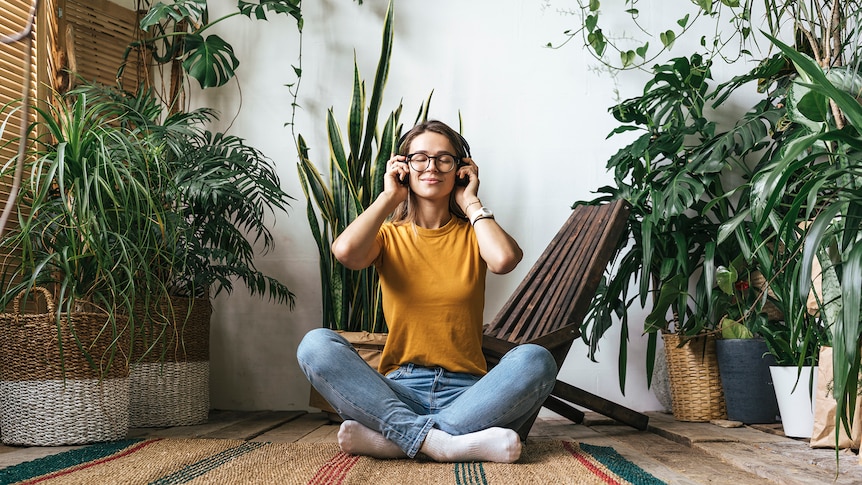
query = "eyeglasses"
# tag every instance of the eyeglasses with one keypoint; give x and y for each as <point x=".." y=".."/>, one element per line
<point x="420" y="162"/>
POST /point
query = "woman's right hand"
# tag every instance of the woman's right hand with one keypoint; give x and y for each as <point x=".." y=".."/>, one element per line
<point x="397" y="170"/>
<point x="356" y="247"/>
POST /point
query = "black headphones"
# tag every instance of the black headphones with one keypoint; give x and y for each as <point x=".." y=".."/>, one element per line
<point x="465" y="147"/>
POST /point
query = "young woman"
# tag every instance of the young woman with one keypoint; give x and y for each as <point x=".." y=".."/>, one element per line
<point x="432" y="242"/>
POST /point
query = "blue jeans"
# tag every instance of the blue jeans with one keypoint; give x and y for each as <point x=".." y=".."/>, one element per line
<point x="405" y="404"/>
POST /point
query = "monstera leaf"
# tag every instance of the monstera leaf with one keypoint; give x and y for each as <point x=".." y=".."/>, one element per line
<point x="210" y="61"/>
<point x="177" y="33"/>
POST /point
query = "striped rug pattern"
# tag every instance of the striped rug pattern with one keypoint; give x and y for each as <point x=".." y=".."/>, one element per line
<point x="209" y="461"/>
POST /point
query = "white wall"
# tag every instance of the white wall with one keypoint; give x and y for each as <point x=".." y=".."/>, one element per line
<point x="536" y="119"/>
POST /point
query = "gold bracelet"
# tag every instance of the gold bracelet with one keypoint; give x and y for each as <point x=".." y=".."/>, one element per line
<point x="477" y="201"/>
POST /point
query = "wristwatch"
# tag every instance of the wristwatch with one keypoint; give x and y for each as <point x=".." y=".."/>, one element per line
<point x="481" y="213"/>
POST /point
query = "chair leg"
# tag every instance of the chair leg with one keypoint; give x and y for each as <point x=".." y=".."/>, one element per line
<point x="524" y="430"/>
<point x="564" y="409"/>
<point x="572" y="394"/>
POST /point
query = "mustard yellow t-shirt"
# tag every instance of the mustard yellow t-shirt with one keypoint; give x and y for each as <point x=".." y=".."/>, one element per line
<point x="433" y="286"/>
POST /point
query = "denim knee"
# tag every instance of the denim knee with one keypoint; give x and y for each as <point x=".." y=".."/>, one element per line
<point x="316" y="345"/>
<point x="536" y="361"/>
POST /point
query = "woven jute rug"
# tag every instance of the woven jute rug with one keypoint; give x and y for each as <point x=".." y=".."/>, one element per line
<point x="205" y="461"/>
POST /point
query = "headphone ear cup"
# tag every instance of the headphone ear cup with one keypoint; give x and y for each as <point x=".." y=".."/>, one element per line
<point x="400" y="142"/>
<point x="465" y="145"/>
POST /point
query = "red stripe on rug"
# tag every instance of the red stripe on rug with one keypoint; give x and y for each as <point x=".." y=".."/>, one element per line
<point x="335" y="470"/>
<point x="579" y="455"/>
<point x="89" y="464"/>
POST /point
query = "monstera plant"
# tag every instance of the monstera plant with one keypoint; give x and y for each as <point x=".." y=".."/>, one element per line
<point x="174" y="33"/>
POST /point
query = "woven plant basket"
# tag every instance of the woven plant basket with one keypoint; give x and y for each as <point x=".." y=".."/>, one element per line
<point x="170" y="382"/>
<point x="695" y="383"/>
<point x="49" y="399"/>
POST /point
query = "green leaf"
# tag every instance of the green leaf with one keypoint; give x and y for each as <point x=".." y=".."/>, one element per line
<point x="805" y="65"/>
<point x="192" y="10"/>
<point x="594" y="5"/>
<point x="705" y="5"/>
<point x="642" y="50"/>
<point x="731" y="329"/>
<point x="590" y="22"/>
<point x="379" y="82"/>
<point x="288" y="7"/>
<point x="813" y="240"/>
<point x="683" y="21"/>
<point x="355" y="120"/>
<point x="597" y="41"/>
<point x="211" y="62"/>
<point x="667" y="38"/>
<point x="669" y="293"/>
<point x="814" y="106"/>
<point x="725" y="278"/>
<point x="627" y="57"/>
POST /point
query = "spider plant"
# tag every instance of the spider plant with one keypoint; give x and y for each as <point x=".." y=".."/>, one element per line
<point x="89" y="222"/>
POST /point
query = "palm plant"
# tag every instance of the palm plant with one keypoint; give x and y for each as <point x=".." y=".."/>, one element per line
<point x="218" y="195"/>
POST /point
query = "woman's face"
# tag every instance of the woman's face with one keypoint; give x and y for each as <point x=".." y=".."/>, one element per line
<point x="432" y="183"/>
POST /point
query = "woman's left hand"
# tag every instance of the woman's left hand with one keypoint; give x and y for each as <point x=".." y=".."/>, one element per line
<point x="469" y="193"/>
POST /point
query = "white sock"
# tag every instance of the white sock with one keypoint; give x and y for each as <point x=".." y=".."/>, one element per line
<point x="356" y="439"/>
<point x="499" y="445"/>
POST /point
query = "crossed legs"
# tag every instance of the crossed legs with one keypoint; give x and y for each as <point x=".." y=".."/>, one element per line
<point x="385" y="419"/>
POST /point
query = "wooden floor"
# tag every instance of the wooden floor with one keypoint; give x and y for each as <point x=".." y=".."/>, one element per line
<point x="676" y="452"/>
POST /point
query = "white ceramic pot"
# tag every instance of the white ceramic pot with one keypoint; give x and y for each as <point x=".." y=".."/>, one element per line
<point x="796" y="405"/>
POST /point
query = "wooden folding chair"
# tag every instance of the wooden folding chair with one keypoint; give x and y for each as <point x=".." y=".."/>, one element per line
<point x="552" y="301"/>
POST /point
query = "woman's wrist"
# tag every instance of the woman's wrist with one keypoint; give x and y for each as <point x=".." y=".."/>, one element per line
<point x="466" y="208"/>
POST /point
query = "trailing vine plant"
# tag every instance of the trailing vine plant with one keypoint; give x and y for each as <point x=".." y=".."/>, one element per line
<point x="819" y="28"/>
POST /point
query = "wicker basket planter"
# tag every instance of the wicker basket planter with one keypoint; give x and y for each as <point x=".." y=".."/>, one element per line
<point x="695" y="382"/>
<point x="49" y="398"/>
<point x="170" y="384"/>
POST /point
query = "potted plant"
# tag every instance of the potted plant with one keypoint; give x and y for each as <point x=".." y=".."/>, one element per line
<point x="672" y="178"/>
<point x="809" y="198"/>
<point x="217" y="196"/>
<point x="743" y="357"/>
<point x="88" y="228"/>
<point x="774" y="137"/>
<point x="351" y="299"/>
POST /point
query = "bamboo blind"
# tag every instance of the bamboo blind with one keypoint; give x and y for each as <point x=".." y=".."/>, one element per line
<point x="14" y="61"/>
<point x="84" y="36"/>
<point x="96" y="33"/>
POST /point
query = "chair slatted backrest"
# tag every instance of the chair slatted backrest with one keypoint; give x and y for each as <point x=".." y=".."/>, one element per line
<point x="551" y="302"/>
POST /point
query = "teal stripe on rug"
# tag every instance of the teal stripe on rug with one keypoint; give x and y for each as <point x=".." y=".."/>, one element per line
<point x="190" y="472"/>
<point x="609" y="457"/>
<point x="66" y="459"/>
<point x="470" y="473"/>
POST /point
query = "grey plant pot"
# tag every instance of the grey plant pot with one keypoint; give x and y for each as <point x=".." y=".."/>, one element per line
<point x="745" y="378"/>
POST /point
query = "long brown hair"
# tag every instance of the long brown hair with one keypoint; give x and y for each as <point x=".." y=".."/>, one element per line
<point x="406" y="212"/>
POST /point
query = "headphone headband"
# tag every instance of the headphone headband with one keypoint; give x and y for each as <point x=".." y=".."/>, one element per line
<point x="461" y="140"/>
